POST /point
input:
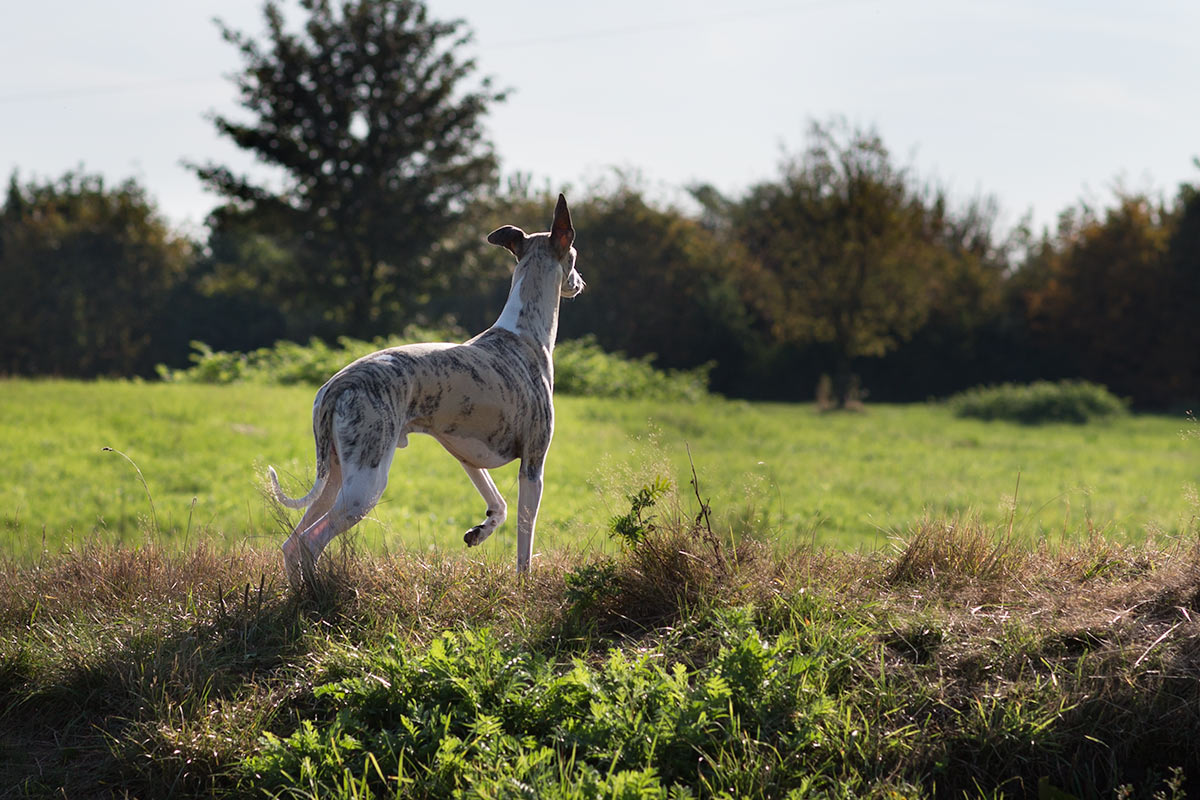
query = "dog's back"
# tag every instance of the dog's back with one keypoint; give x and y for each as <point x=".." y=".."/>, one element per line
<point x="487" y="401"/>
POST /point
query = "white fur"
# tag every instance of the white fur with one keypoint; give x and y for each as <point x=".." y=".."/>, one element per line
<point x="511" y="312"/>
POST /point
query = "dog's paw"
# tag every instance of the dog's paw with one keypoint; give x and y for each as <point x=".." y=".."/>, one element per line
<point x="291" y="568"/>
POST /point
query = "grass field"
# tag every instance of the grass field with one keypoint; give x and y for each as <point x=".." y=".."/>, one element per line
<point x="687" y="663"/>
<point x="788" y="472"/>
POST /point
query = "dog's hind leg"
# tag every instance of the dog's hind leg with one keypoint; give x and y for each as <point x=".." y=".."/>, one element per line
<point x="362" y="486"/>
<point x="319" y="508"/>
<point x="497" y="509"/>
<point x="365" y="432"/>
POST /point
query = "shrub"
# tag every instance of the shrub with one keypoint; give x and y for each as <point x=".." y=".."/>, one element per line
<point x="631" y="529"/>
<point x="580" y="366"/>
<point x="1040" y="402"/>
<point x="288" y="363"/>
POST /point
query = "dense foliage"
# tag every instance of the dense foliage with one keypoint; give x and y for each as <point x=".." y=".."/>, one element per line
<point x="88" y="273"/>
<point x="367" y="109"/>
<point x="751" y="707"/>
<point x="1042" y="401"/>
<point x="1116" y="294"/>
<point x="580" y="366"/>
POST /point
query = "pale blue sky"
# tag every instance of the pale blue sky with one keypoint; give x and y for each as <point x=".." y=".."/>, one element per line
<point x="1037" y="103"/>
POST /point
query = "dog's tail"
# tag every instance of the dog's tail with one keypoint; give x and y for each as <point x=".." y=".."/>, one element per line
<point x="297" y="502"/>
<point x="323" y="436"/>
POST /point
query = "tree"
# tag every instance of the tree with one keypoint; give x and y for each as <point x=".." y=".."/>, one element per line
<point x="1184" y="269"/>
<point x="87" y="273"/>
<point x="659" y="282"/>
<point x="1116" y="295"/>
<point x="366" y="114"/>
<point x="843" y="252"/>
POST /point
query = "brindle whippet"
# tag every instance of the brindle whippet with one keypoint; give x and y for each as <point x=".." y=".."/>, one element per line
<point x="488" y="401"/>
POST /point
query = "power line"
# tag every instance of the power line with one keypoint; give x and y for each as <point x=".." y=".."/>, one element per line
<point x="76" y="92"/>
<point x="678" y="24"/>
<point x="675" y="24"/>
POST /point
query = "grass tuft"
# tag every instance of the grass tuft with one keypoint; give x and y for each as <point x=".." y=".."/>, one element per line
<point x="946" y="551"/>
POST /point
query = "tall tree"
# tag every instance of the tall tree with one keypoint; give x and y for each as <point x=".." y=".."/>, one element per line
<point x="843" y="251"/>
<point x="660" y="282"/>
<point x="87" y="273"/>
<point x="1113" y="293"/>
<point x="1184" y="266"/>
<point x="366" y="113"/>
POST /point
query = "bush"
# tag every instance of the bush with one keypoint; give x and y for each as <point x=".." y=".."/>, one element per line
<point x="580" y="366"/>
<point x="287" y="363"/>
<point x="1040" y="402"/>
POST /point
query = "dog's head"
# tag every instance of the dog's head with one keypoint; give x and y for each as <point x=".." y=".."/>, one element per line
<point x="551" y="250"/>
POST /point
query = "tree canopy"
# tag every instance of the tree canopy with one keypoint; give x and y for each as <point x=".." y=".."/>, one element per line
<point x="88" y="273"/>
<point x="1116" y="294"/>
<point x="367" y="112"/>
<point x="840" y="248"/>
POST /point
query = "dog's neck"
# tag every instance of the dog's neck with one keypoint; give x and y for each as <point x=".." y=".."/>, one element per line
<point x="532" y="306"/>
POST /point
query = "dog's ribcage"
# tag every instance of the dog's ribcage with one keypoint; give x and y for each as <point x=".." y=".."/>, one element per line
<point x="487" y="401"/>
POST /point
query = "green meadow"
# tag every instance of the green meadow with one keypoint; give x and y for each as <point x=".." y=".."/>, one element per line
<point x="789" y="472"/>
<point x="150" y="648"/>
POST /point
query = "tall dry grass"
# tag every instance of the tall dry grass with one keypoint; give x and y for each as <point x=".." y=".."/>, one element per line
<point x="154" y="673"/>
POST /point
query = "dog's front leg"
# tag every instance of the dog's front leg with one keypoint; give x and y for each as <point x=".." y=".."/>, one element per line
<point x="497" y="509"/>
<point x="529" y="498"/>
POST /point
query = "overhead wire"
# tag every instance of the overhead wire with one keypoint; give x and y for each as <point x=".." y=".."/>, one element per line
<point x="666" y="26"/>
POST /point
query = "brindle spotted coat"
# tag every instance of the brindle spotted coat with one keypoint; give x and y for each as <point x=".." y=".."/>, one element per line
<point x="488" y="401"/>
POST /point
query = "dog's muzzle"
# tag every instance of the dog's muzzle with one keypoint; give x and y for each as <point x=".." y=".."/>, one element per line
<point x="573" y="285"/>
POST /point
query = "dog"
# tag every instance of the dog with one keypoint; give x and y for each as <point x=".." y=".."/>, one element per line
<point x="488" y="401"/>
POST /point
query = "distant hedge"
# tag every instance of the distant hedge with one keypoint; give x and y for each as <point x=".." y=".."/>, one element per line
<point x="1040" y="402"/>
<point x="581" y="367"/>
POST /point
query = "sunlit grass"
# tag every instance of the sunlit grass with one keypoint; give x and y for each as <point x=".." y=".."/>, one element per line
<point x="845" y="480"/>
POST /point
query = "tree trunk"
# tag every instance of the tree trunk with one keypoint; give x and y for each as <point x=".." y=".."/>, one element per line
<point x="843" y="383"/>
<point x="363" y="314"/>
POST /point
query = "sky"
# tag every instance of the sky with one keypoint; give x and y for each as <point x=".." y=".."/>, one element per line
<point x="1037" y="104"/>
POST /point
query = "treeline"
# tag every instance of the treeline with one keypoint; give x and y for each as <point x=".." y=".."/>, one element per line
<point x="763" y="286"/>
<point x="845" y="275"/>
<point x="98" y="284"/>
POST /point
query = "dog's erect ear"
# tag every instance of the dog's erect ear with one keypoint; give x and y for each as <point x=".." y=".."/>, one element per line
<point x="561" y="232"/>
<point x="510" y="237"/>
